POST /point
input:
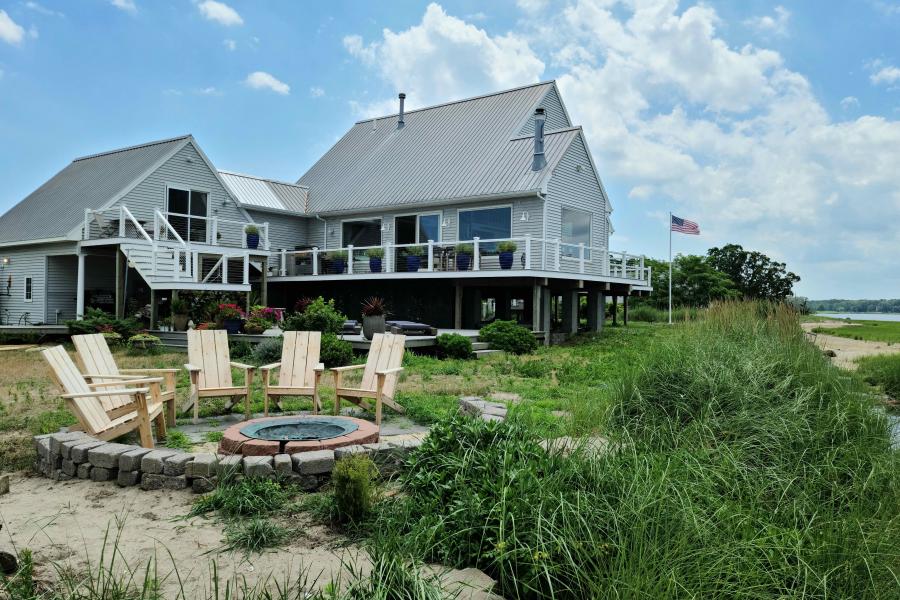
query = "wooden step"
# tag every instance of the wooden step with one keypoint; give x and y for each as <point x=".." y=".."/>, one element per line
<point x="480" y="346"/>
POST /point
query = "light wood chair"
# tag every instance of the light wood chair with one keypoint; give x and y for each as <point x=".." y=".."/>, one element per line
<point x="299" y="370"/>
<point x="98" y="366"/>
<point x="108" y="413"/>
<point x="379" y="380"/>
<point x="210" y="371"/>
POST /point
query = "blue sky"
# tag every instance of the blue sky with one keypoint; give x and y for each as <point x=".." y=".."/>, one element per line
<point x="773" y="124"/>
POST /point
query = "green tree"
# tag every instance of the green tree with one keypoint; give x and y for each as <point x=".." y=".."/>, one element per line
<point x="754" y="274"/>
<point x="694" y="282"/>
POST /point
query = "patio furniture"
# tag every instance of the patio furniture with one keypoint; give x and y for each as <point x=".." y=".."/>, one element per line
<point x="351" y="327"/>
<point x="299" y="369"/>
<point x="379" y="380"/>
<point x="99" y="366"/>
<point x="411" y="328"/>
<point x="112" y="411"/>
<point x="210" y="371"/>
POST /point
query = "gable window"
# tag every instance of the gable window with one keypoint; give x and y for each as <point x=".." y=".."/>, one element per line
<point x="576" y="229"/>
<point x="187" y="211"/>
<point x="493" y="223"/>
<point x="28" y="289"/>
<point x="361" y="233"/>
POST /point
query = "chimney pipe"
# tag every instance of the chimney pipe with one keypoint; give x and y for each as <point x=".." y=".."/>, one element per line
<point x="400" y="122"/>
<point x="539" y="160"/>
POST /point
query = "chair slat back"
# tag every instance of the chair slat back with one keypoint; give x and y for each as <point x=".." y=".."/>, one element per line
<point x="90" y="413"/>
<point x="299" y="357"/>
<point x="96" y="359"/>
<point x="209" y="350"/>
<point x="386" y="352"/>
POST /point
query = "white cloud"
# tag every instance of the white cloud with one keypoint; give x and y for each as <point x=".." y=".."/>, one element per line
<point x="532" y="6"/>
<point x="220" y="12"/>
<point x="260" y="80"/>
<point x="126" y="5"/>
<point x="888" y="74"/>
<point x="776" y="24"/>
<point x="39" y="8"/>
<point x="316" y="92"/>
<point x="10" y="31"/>
<point x="850" y="102"/>
<point x="443" y="58"/>
<point x="230" y="44"/>
<point x="888" y="8"/>
<point x="209" y="91"/>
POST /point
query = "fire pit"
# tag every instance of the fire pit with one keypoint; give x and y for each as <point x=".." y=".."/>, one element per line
<point x="287" y="435"/>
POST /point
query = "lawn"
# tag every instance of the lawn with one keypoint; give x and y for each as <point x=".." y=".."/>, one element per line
<point x="872" y="331"/>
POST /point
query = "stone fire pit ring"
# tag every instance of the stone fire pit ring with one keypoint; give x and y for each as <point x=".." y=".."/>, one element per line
<point x="271" y="435"/>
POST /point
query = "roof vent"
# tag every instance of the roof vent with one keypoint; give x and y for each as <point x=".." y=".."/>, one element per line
<point x="539" y="161"/>
<point x="400" y="122"/>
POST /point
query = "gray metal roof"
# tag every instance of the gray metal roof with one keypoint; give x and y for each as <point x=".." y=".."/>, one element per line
<point x="256" y="192"/>
<point x="457" y="150"/>
<point x="57" y="207"/>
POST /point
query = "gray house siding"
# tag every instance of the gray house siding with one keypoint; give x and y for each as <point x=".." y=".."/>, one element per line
<point x="186" y="169"/>
<point x="553" y="111"/>
<point x="580" y="190"/>
<point x="62" y="280"/>
<point x="27" y="261"/>
<point x="285" y="232"/>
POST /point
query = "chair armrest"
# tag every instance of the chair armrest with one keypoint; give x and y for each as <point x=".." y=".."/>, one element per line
<point x="192" y="368"/>
<point x="238" y="365"/>
<point x="389" y="371"/>
<point x="270" y="367"/>
<point x="319" y="367"/>
<point x="129" y="391"/>
<point x="160" y="371"/>
<point x="123" y="377"/>
<point x="348" y="368"/>
<point x="146" y="380"/>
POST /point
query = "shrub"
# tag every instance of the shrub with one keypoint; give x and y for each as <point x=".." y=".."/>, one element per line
<point x="251" y="229"/>
<point x="465" y="248"/>
<point x="508" y="336"/>
<point x="268" y="350"/>
<point x="98" y="321"/>
<point x="647" y="314"/>
<point x="254" y="535"/>
<point x="335" y="352"/>
<point x="248" y="497"/>
<point x="239" y="349"/>
<point x="337" y="255"/>
<point x="143" y="343"/>
<point x="507" y="246"/>
<point x="353" y="479"/>
<point x="254" y="326"/>
<point x="112" y="338"/>
<point x="415" y="251"/>
<point x="373" y="306"/>
<point x="883" y="371"/>
<point x="453" y="345"/>
<point x="229" y="311"/>
<point x="317" y="315"/>
<point x="375" y="252"/>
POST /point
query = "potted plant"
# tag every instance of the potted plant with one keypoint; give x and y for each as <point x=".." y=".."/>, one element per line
<point x="231" y="316"/>
<point x="337" y="261"/>
<point x="252" y="233"/>
<point x="255" y="326"/>
<point x="414" y="258"/>
<point x="375" y="256"/>
<point x="373" y="312"/>
<point x="464" y="254"/>
<point x="179" y="314"/>
<point x="506" y="250"/>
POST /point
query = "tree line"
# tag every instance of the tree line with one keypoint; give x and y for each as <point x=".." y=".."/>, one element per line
<point x="862" y="306"/>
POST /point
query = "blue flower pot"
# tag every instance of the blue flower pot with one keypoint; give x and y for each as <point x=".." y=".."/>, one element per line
<point x="463" y="260"/>
<point x="253" y="241"/>
<point x="506" y="260"/>
<point x="336" y="266"/>
<point x="413" y="263"/>
<point x="375" y="265"/>
<point x="232" y="326"/>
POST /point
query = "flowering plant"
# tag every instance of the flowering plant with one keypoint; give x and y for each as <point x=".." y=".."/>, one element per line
<point x="230" y="311"/>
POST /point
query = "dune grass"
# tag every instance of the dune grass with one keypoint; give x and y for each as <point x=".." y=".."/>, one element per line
<point x="882" y="371"/>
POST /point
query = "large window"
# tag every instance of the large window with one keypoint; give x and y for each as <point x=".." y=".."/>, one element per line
<point x="361" y="233"/>
<point x="576" y="229"/>
<point x="486" y="224"/>
<point x="186" y="204"/>
<point x="417" y="229"/>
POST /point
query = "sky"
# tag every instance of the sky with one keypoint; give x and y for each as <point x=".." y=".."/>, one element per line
<point x="774" y="125"/>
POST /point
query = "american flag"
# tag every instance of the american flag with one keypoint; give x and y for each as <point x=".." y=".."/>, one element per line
<point x="684" y="226"/>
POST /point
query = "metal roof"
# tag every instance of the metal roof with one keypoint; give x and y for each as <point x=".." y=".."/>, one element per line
<point x="258" y="193"/>
<point x="458" y="150"/>
<point x="57" y="207"/>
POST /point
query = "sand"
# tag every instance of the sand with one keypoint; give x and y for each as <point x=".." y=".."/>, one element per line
<point x="847" y="351"/>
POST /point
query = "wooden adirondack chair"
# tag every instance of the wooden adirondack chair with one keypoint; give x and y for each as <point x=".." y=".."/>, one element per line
<point x="108" y="413"/>
<point x="299" y="369"/>
<point x="98" y="365"/>
<point x="379" y="379"/>
<point x="210" y="371"/>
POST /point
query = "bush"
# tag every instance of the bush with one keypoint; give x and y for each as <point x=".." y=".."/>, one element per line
<point x="98" y="321"/>
<point x="883" y="371"/>
<point x="268" y="351"/>
<point x="317" y="315"/>
<point x="143" y="343"/>
<point x="508" y="336"/>
<point x="647" y="314"/>
<point x="254" y="535"/>
<point x="453" y="345"/>
<point x="239" y="349"/>
<point x="335" y="352"/>
<point x="353" y="479"/>
<point x="507" y="246"/>
<point x="112" y="338"/>
<point x="247" y="497"/>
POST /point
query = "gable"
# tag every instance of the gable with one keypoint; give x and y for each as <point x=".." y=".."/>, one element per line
<point x="554" y="112"/>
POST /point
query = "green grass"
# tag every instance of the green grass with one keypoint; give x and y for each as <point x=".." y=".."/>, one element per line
<point x="247" y="497"/>
<point x="882" y="371"/>
<point x="254" y="535"/>
<point x="214" y="436"/>
<point x="872" y="331"/>
<point x="178" y="440"/>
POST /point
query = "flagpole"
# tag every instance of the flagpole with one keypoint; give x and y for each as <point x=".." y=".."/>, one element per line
<point x="670" y="268"/>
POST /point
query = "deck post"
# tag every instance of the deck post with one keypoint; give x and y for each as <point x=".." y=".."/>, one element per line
<point x="570" y="312"/>
<point x="86" y="232"/>
<point x="535" y="307"/>
<point x="545" y="313"/>
<point x="224" y="269"/>
<point x="350" y="259"/>
<point x="476" y="255"/>
<point x="581" y="257"/>
<point x="120" y="285"/>
<point x="154" y="309"/>
<point x="387" y="258"/>
<point x="315" y="257"/>
<point x="430" y="255"/>
<point x="264" y="283"/>
<point x="625" y="310"/>
<point x="615" y="308"/>
<point x="457" y="305"/>
<point x="79" y="292"/>
<point x="283" y="262"/>
<point x="527" y="252"/>
<point x="246" y="269"/>
<point x="596" y="310"/>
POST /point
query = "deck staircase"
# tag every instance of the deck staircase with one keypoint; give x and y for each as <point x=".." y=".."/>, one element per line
<point x="171" y="266"/>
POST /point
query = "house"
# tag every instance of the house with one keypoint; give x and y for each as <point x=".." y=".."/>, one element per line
<point x="488" y="207"/>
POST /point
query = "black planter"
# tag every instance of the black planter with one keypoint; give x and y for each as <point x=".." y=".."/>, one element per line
<point x="506" y="260"/>
<point x="253" y="241"/>
<point x="463" y="260"/>
<point x="413" y="263"/>
<point x="375" y="265"/>
<point x="232" y="326"/>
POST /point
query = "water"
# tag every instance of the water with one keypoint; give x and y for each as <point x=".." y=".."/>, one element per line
<point x="861" y="316"/>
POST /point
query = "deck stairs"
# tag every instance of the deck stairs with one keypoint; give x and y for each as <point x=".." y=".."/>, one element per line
<point x="172" y="266"/>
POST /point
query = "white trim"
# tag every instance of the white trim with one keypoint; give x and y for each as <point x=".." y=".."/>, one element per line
<point x="37" y="242"/>
<point x="28" y="290"/>
<point x="495" y="206"/>
<point x="438" y="213"/>
<point x="190" y="190"/>
<point x="380" y="231"/>
<point x="590" y="242"/>
<point x="440" y="203"/>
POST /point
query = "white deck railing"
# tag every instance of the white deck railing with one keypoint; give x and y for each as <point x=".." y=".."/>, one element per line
<point x="478" y="255"/>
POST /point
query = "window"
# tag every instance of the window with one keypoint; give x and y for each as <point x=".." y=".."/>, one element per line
<point x="28" y="289"/>
<point x="186" y="204"/>
<point x="361" y="233"/>
<point x="576" y="229"/>
<point x="486" y="224"/>
<point x="417" y="229"/>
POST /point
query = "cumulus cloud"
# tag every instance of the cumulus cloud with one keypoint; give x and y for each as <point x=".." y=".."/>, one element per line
<point x="220" y="12"/>
<point x="126" y="5"/>
<point x="850" y="102"/>
<point x="444" y="57"/>
<point x="260" y="80"/>
<point x="884" y="74"/>
<point x="40" y="8"/>
<point x="776" y="24"/>
<point x="10" y="31"/>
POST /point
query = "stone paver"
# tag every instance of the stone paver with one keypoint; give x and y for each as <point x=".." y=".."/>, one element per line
<point x="231" y="465"/>
<point x="175" y="465"/>
<point x="314" y="463"/>
<point x="57" y="439"/>
<point x="107" y="456"/>
<point x="128" y="478"/>
<point x="204" y="465"/>
<point x="282" y="463"/>
<point x="154" y="462"/>
<point x="104" y="474"/>
<point x="79" y="453"/>
<point x="258" y="466"/>
<point x="131" y="460"/>
<point x="341" y="453"/>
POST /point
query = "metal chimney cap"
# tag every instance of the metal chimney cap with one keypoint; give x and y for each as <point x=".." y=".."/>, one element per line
<point x="539" y="111"/>
<point x="402" y="95"/>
